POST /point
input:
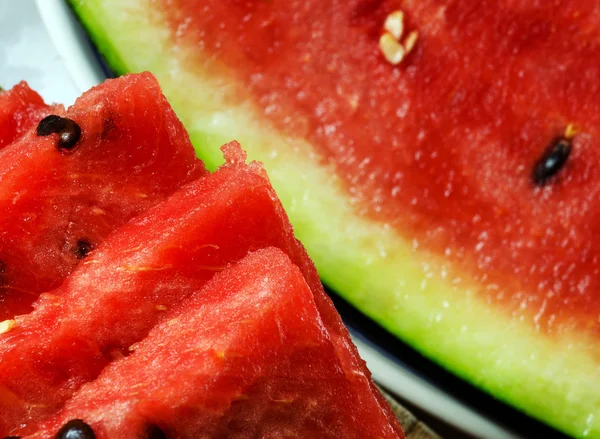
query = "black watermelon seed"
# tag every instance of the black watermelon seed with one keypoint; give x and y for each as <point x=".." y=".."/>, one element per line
<point x="68" y="131"/>
<point x="11" y="437"/>
<point x="155" y="432"/>
<point x="552" y="161"/>
<point x="50" y="125"/>
<point x="70" y="135"/>
<point x="83" y="249"/>
<point x="75" y="429"/>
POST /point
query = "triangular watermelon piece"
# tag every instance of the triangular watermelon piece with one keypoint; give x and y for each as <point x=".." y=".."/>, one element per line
<point x="20" y="109"/>
<point x="246" y="357"/>
<point x="145" y="268"/>
<point x="58" y="203"/>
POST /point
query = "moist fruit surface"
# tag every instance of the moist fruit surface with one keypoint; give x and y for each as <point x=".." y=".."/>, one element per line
<point x="79" y="174"/>
<point x="441" y="147"/>
<point x="247" y="356"/>
<point x="450" y="197"/>
<point x="20" y="109"/>
<point x="143" y="270"/>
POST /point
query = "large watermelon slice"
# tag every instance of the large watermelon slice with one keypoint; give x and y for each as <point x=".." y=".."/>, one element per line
<point x="248" y="357"/>
<point x="451" y="196"/>
<point x="144" y="269"/>
<point x="58" y="204"/>
<point x="20" y="109"/>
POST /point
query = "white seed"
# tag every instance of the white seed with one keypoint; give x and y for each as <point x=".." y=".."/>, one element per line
<point x="161" y="308"/>
<point x="391" y="49"/>
<point x="394" y="24"/>
<point x="6" y="326"/>
<point x="410" y="41"/>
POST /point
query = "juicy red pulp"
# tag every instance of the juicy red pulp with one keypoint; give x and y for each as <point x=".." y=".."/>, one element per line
<point x="77" y="175"/>
<point x="246" y="356"/>
<point x="155" y="263"/>
<point x="442" y="147"/>
<point x="20" y="109"/>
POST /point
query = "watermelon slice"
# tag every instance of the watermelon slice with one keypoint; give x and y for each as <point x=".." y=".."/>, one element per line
<point x="144" y="269"/>
<point x="450" y="196"/>
<point x="21" y="108"/>
<point x="57" y="204"/>
<point x="248" y="356"/>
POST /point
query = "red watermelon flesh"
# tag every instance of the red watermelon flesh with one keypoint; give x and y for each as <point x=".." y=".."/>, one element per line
<point x="148" y="266"/>
<point x="246" y="357"/>
<point x="413" y="185"/>
<point x="20" y="109"/>
<point x="56" y="206"/>
<point x="442" y="146"/>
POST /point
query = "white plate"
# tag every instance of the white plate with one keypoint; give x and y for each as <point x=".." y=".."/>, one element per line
<point x="26" y="53"/>
<point x="86" y="70"/>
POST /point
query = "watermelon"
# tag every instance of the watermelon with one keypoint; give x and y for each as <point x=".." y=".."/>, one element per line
<point x="143" y="270"/>
<point x="125" y="151"/>
<point x="248" y="356"/>
<point x="439" y="168"/>
<point x="20" y="109"/>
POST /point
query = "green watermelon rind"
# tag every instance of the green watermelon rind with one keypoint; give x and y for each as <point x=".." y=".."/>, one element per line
<point x="556" y="380"/>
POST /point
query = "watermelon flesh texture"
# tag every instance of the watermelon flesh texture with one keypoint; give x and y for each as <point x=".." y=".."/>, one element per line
<point x="56" y="206"/>
<point x="248" y="356"/>
<point x="411" y="185"/>
<point x="21" y="108"/>
<point x="144" y="269"/>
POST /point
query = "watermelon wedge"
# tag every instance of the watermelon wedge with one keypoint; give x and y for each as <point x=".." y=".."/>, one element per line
<point x="144" y="269"/>
<point x="449" y="193"/>
<point x="59" y="203"/>
<point x="21" y="108"/>
<point x="248" y="356"/>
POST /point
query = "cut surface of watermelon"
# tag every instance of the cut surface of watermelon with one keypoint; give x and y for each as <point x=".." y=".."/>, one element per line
<point x="58" y="205"/>
<point x="412" y="186"/>
<point x="144" y="269"/>
<point x="246" y="357"/>
<point x="21" y="108"/>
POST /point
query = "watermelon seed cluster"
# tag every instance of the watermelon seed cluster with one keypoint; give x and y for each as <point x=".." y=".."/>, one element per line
<point x="393" y="50"/>
<point x="68" y="131"/>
